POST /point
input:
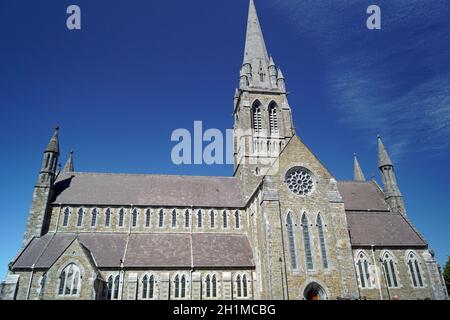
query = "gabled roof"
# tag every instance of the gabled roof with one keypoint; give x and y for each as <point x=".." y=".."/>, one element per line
<point x="76" y="188"/>
<point x="362" y="196"/>
<point x="382" y="229"/>
<point x="150" y="250"/>
<point x="371" y="222"/>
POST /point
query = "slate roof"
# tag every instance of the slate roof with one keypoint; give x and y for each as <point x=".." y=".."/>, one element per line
<point x="370" y="220"/>
<point x="206" y="250"/>
<point x="362" y="196"/>
<point x="220" y="249"/>
<point x="382" y="229"/>
<point x="75" y="188"/>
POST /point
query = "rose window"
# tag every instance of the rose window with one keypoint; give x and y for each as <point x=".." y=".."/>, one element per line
<point x="300" y="181"/>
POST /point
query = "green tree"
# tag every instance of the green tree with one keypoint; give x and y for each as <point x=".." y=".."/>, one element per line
<point x="447" y="274"/>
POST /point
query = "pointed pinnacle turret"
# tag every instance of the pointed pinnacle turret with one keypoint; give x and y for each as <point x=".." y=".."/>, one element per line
<point x="358" y="173"/>
<point x="255" y="47"/>
<point x="383" y="157"/>
<point x="68" y="167"/>
<point x="280" y="74"/>
<point x="53" y="145"/>
<point x="271" y="62"/>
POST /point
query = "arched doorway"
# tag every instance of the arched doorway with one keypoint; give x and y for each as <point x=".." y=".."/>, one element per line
<point x="314" y="291"/>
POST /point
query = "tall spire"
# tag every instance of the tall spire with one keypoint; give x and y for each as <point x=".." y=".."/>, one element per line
<point x="68" y="167"/>
<point x="50" y="160"/>
<point x="358" y="173"/>
<point x="43" y="191"/>
<point x="255" y="47"/>
<point x="391" y="190"/>
<point x="53" y="145"/>
<point x="383" y="157"/>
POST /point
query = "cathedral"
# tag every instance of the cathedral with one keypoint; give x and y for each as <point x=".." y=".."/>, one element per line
<point x="281" y="228"/>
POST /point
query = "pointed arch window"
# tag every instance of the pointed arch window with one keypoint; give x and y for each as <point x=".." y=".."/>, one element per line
<point x="307" y="243"/>
<point x="390" y="271"/>
<point x="187" y="219"/>
<point x="237" y="220"/>
<point x="273" y="119"/>
<point x="257" y="118"/>
<point x="148" y="216"/>
<point x="144" y="287"/>
<point x="180" y="286"/>
<point x="174" y="218"/>
<point x="148" y="287"/>
<point x="69" y="281"/>
<point x="212" y="219"/>
<point x="177" y="286"/>
<point x="225" y="219"/>
<point x="241" y="286"/>
<point x="66" y="217"/>
<point x="161" y="218"/>
<point x="62" y="279"/>
<point x="110" y="288"/>
<point x="214" y="286"/>
<point x="362" y="267"/>
<point x="134" y="218"/>
<point x="113" y="287"/>
<point x="199" y="218"/>
<point x="238" y="286"/>
<point x="116" y="287"/>
<point x="208" y="286"/>
<point x="291" y="239"/>
<point x="323" y="247"/>
<point x="80" y="217"/>
<point x="211" y="286"/>
<point x="108" y="217"/>
<point x="121" y="217"/>
<point x="183" y="287"/>
<point x="94" y="217"/>
<point x="415" y="270"/>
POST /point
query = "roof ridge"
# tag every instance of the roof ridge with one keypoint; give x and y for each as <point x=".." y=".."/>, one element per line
<point x="414" y="229"/>
<point x="147" y="174"/>
<point x="370" y="212"/>
<point x="354" y="181"/>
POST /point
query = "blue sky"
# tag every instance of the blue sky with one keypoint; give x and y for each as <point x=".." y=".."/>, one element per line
<point x="140" y="69"/>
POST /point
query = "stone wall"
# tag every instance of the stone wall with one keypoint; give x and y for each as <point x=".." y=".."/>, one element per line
<point x="57" y="220"/>
<point x="337" y="280"/>
<point x="45" y="283"/>
<point x="37" y="215"/>
<point x="405" y="289"/>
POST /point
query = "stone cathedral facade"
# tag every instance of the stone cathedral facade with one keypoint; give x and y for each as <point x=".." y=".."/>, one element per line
<point x="281" y="228"/>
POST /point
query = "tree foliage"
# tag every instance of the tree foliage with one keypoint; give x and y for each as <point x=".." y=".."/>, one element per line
<point x="447" y="274"/>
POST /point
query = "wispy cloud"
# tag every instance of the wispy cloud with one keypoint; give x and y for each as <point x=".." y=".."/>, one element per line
<point x="395" y="81"/>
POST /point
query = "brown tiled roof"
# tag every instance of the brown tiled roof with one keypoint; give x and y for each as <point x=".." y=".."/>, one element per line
<point x="370" y="220"/>
<point x="362" y="196"/>
<point x="106" y="249"/>
<point x="382" y="229"/>
<point x="159" y="250"/>
<point x="143" y="250"/>
<point x="148" y="190"/>
<point x="221" y="249"/>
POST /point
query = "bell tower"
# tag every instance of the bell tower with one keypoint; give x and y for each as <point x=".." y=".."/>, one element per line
<point x="43" y="191"/>
<point x="262" y="115"/>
